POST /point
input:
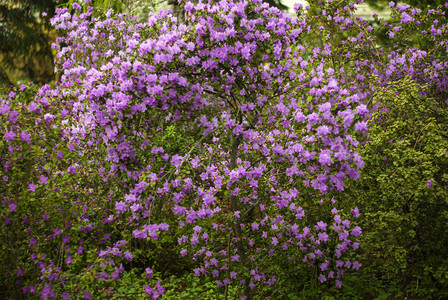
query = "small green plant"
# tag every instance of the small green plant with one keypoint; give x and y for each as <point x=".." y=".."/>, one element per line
<point x="192" y="287"/>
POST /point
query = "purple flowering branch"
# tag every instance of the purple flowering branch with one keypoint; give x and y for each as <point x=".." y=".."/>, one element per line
<point x="276" y="104"/>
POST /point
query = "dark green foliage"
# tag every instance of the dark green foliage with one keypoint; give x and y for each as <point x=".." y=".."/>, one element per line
<point x="25" y="40"/>
<point x="403" y="192"/>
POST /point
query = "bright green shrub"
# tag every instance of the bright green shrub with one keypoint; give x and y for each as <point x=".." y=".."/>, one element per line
<point x="403" y="191"/>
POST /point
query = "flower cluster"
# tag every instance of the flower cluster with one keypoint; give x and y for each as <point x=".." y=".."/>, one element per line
<point x="274" y="121"/>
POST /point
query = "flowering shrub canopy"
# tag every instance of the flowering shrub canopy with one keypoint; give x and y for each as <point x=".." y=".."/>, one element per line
<point x="226" y="131"/>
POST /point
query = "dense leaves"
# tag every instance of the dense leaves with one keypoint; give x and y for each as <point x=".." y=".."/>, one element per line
<point x="221" y="142"/>
<point x="25" y="47"/>
<point x="403" y="189"/>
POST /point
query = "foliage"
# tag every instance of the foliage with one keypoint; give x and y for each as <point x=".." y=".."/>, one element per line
<point x="403" y="189"/>
<point x="221" y="144"/>
<point x="25" y="47"/>
<point x="422" y="4"/>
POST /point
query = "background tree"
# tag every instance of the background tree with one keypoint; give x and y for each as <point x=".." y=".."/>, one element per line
<point x="25" y="40"/>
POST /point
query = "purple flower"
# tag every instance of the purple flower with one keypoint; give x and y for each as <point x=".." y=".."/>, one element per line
<point x="71" y="170"/>
<point x="121" y="207"/>
<point x="12" y="207"/>
<point x="323" y="130"/>
<point x="314" y="81"/>
<point x="313" y="118"/>
<point x="148" y="273"/>
<point x="362" y="109"/>
<point x="429" y="183"/>
<point x="405" y="18"/>
<point x="337" y="219"/>
<point x="321" y="226"/>
<point x="322" y="278"/>
<point x="13" y="115"/>
<point x="255" y="226"/>
<point x="43" y="179"/>
<point x="355" y="212"/>
<point x="176" y="160"/>
<point x="76" y="6"/>
<point x="348" y="264"/>
<point x="325" y="158"/>
<point x="31" y="187"/>
<point x="343" y="235"/>
<point x="104" y="276"/>
<point x="189" y="6"/>
<point x="25" y="137"/>
<point x="115" y="275"/>
<point x="160" y="288"/>
<point x="9" y="136"/>
<point x="47" y="293"/>
<point x="251" y="285"/>
<point x="361" y="126"/>
<point x="356" y="231"/>
<point x="324" y="265"/>
<point x="332" y="83"/>
<point x="322" y="236"/>
<point x="191" y="217"/>
<point x="140" y="234"/>
<point x="128" y="255"/>
<point x="4" y="109"/>
<point x="148" y="290"/>
<point x="136" y="207"/>
<point x="32" y="106"/>
<point x="130" y="198"/>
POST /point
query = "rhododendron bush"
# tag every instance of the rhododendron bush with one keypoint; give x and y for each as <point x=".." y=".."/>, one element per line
<point x="227" y="132"/>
